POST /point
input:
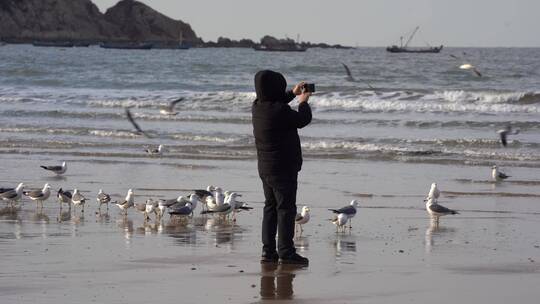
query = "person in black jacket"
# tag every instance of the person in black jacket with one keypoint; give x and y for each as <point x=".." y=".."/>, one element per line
<point x="279" y="159"/>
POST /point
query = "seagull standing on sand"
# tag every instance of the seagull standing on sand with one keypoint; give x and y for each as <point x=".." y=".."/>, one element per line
<point x="169" y="109"/>
<point x="64" y="197"/>
<point x="127" y="203"/>
<point x="435" y="210"/>
<point x="185" y="210"/>
<point x="56" y="169"/>
<point x="433" y="192"/>
<point x="12" y="195"/>
<point x="350" y="211"/>
<point x="78" y="200"/>
<point x="39" y="195"/>
<point x="157" y="151"/>
<point x="141" y="207"/>
<point x="204" y="194"/>
<point x="503" y="134"/>
<point x="223" y="209"/>
<point x="340" y="221"/>
<point x="103" y="199"/>
<point x="497" y="175"/>
<point x="302" y="218"/>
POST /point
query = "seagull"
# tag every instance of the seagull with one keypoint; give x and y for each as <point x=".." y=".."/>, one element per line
<point x="223" y="209"/>
<point x="182" y="210"/>
<point x="169" y="109"/>
<point x="157" y="151"/>
<point x="497" y="175"/>
<point x="103" y="198"/>
<point x="151" y="207"/>
<point x="77" y="199"/>
<point x="302" y="218"/>
<point x="433" y="192"/>
<point x="468" y="66"/>
<point x="350" y="77"/>
<point x="348" y="71"/>
<point x="141" y="207"/>
<point x="64" y="197"/>
<point x="139" y="130"/>
<point x="12" y="195"/>
<point x="39" y="195"/>
<point x="435" y="210"/>
<point x="204" y="194"/>
<point x="340" y="221"/>
<point x="350" y="211"/>
<point x="503" y="134"/>
<point x="127" y="203"/>
<point x="216" y="200"/>
<point x="56" y="169"/>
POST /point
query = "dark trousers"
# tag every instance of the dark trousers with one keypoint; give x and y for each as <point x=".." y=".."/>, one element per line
<point x="279" y="213"/>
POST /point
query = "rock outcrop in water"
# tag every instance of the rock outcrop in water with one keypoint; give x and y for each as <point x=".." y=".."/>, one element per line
<point x="28" y="20"/>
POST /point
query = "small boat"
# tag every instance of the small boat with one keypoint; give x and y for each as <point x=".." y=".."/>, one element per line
<point x="406" y="49"/>
<point x="126" y="45"/>
<point x="53" y="43"/>
<point x="280" y="48"/>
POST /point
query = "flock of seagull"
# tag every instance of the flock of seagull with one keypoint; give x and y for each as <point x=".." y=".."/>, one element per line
<point x="213" y="201"/>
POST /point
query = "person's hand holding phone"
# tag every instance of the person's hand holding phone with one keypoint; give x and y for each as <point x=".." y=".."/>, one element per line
<point x="297" y="90"/>
<point x="304" y="97"/>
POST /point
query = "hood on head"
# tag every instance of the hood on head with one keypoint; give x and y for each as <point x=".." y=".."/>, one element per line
<point x="270" y="86"/>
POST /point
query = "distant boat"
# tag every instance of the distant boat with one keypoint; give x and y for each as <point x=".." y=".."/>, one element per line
<point x="406" y="49"/>
<point x="126" y="45"/>
<point x="53" y="43"/>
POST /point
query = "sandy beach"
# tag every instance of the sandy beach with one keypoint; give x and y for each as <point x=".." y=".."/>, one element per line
<point x="490" y="253"/>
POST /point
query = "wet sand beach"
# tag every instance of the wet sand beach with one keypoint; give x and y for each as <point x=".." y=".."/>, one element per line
<point x="488" y="253"/>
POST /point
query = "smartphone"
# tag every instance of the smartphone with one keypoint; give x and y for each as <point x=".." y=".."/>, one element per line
<point x="309" y="87"/>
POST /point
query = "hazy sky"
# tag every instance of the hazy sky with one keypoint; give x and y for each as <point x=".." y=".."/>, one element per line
<point x="361" y="22"/>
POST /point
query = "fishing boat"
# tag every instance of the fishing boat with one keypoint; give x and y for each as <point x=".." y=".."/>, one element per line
<point x="126" y="45"/>
<point x="406" y="49"/>
<point x="53" y="43"/>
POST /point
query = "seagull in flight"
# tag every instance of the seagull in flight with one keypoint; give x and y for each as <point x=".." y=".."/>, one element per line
<point x="497" y="175"/>
<point x="503" y="134"/>
<point x="56" y="169"/>
<point x="466" y="66"/>
<point x="350" y="76"/>
<point x="134" y="123"/>
<point x="169" y="109"/>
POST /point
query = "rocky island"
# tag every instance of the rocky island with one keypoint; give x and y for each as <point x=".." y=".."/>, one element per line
<point x="68" y="22"/>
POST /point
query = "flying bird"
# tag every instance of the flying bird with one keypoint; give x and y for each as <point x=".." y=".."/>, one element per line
<point x="468" y="66"/>
<point x="503" y="134"/>
<point x="497" y="175"/>
<point x="350" y="76"/>
<point x="56" y="169"/>
<point x="169" y="109"/>
<point x="137" y="127"/>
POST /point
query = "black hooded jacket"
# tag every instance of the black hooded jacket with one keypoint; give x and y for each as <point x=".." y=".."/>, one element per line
<point x="275" y="125"/>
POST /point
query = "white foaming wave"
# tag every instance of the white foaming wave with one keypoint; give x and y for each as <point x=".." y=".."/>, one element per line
<point x="205" y="138"/>
<point x="109" y="133"/>
<point x="482" y="97"/>
<point x="446" y="101"/>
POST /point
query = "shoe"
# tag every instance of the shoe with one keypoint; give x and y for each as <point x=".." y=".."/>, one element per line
<point x="269" y="257"/>
<point x="294" y="259"/>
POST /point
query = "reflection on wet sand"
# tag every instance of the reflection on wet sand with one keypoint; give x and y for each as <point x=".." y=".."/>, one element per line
<point x="182" y="234"/>
<point x="64" y="216"/>
<point x="10" y="213"/>
<point x="277" y="281"/>
<point x="433" y="232"/>
<point x="344" y="244"/>
<point x="301" y="243"/>
<point x="39" y="216"/>
<point x="127" y="227"/>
